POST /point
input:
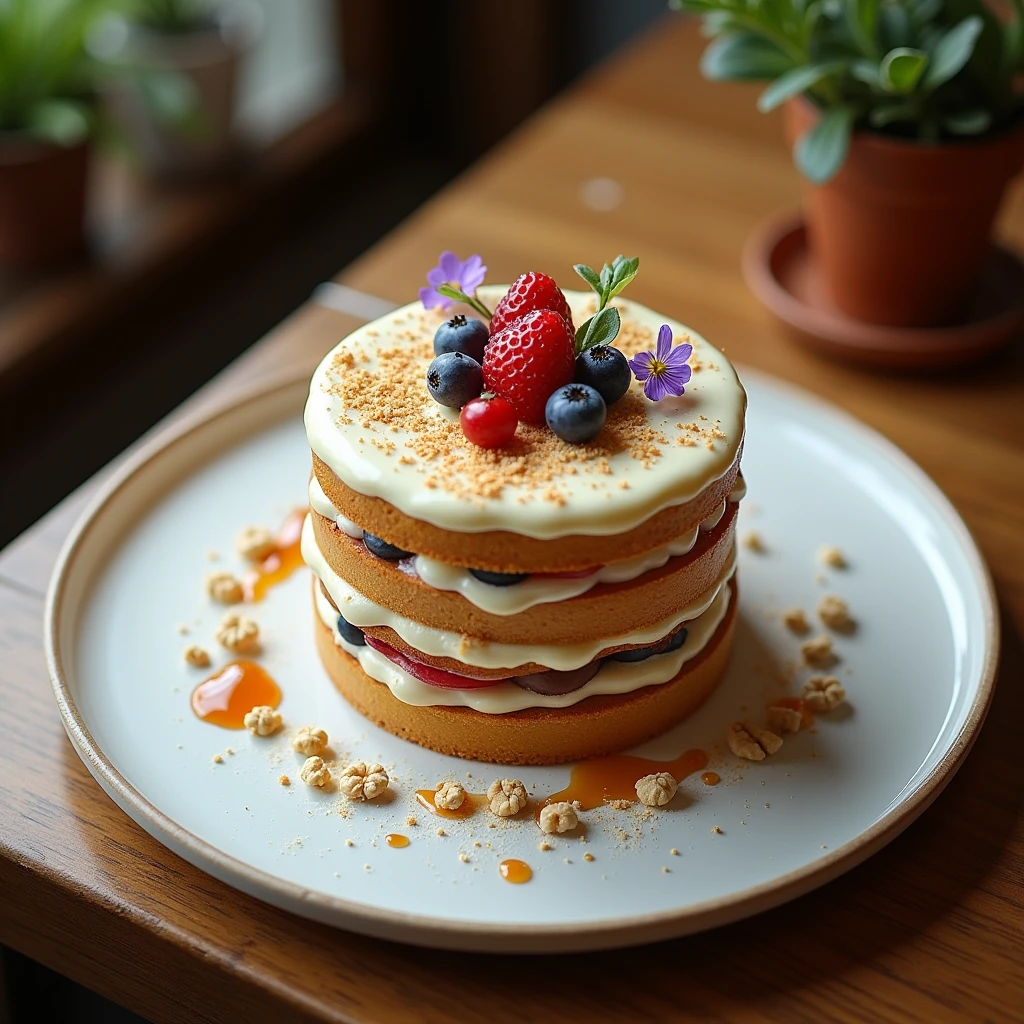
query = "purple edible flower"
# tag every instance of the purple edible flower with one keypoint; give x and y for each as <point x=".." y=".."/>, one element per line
<point x="665" y="371"/>
<point x="466" y="276"/>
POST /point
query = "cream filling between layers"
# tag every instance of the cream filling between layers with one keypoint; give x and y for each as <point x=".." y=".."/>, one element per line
<point x="604" y="497"/>
<point x="537" y="590"/>
<point x="361" y="611"/>
<point x="501" y="698"/>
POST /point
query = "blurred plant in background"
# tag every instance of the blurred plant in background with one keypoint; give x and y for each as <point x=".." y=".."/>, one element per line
<point x="930" y="70"/>
<point x="172" y="16"/>
<point x="47" y="75"/>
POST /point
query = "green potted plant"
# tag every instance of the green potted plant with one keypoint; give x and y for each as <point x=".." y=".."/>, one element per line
<point x="174" y="93"/>
<point x="906" y="122"/>
<point x="47" y="116"/>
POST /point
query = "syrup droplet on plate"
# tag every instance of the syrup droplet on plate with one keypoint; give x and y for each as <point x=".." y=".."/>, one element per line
<point x="226" y="697"/>
<point x="515" y="871"/>
<point x="711" y="778"/>
<point x="425" y="798"/>
<point x="279" y="565"/>
<point x="595" y="782"/>
<point x="396" y="841"/>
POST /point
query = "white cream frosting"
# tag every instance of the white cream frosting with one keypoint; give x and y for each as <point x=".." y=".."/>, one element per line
<point x="321" y="504"/>
<point x="594" y="502"/>
<point x="361" y="611"/>
<point x="538" y="589"/>
<point x="611" y="678"/>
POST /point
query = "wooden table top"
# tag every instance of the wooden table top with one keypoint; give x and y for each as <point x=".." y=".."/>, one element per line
<point x="929" y="929"/>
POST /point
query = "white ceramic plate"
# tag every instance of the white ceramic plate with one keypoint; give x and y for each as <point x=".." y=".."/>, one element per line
<point x="919" y="673"/>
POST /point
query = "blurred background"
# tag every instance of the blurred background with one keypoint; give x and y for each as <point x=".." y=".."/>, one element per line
<point x="177" y="177"/>
<point x="238" y="154"/>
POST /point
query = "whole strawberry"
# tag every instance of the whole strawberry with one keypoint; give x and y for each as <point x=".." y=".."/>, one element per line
<point x="529" y="292"/>
<point x="528" y="360"/>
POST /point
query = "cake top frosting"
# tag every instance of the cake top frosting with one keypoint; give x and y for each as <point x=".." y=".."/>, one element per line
<point x="371" y="419"/>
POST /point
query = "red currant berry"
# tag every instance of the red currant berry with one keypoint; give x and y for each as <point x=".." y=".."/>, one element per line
<point x="488" y="422"/>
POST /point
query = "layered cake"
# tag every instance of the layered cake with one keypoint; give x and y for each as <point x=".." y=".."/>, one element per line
<point x="549" y="574"/>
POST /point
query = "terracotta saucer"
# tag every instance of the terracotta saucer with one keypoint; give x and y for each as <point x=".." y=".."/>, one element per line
<point x="778" y="270"/>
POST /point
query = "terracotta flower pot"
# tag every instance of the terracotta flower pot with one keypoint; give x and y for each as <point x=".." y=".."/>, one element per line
<point x="208" y="62"/>
<point x="901" y="233"/>
<point x="42" y="201"/>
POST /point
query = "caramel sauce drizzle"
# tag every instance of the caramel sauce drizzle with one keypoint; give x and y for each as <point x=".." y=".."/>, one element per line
<point x="595" y="782"/>
<point x="425" y="798"/>
<point x="515" y="871"/>
<point x="396" y="841"/>
<point x="280" y="564"/>
<point x="711" y="778"/>
<point x="225" y="697"/>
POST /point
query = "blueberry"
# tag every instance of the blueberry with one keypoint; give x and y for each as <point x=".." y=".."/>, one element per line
<point x="576" y="413"/>
<point x="643" y="653"/>
<point x="637" y="654"/>
<point x="453" y="379"/>
<point x="462" y="334"/>
<point x="498" y="579"/>
<point x="382" y="549"/>
<point x="605" y="369"/>
<point x="676" y="642"/>
<point x="350" y="634"/>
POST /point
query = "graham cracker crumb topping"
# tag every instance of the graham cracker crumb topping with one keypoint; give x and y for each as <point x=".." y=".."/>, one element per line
<point x="386" y="396"/>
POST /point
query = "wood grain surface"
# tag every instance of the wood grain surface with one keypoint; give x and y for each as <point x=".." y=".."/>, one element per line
<point x="930" y="929"/>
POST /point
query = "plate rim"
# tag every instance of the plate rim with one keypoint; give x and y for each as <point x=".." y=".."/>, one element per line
<point x="482" y="936"/>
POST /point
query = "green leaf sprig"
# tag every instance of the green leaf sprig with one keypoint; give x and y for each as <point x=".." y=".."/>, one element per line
<point x="603" y="327"/>
<point x="451" y="292"/>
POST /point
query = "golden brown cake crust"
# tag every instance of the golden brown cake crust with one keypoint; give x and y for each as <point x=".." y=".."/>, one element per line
<point x="502" y="551"/>
<point x="606" y="610"/>
<point x="596" y="726"/>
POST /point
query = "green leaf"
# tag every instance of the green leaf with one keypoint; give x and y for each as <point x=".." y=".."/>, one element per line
<point x="590" y="275"/>
<point x="901" y="69"/>
<point x="601" y="329"/>
<point x="606" y="278"/>
<point x="451" y="292"/>
<point x="64" y="122"/>
<point x="894" y="28"/>
<point x="970" y="122"/>
<point x="867" y="71"/>
<point x="820" y="152"/>
<point x="743" y="55"/>
<point x="892" y="113"/>
<point x="793" y="82"/>
<point x="952" y="52"/>
<point x="861" y="18"/>
<point x="624" y="269"/>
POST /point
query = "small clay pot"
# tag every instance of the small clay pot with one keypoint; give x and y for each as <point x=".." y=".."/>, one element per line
<point x="901" y="233"/>
<point x="208" y="61"/>
<point x="42" y="201"/>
